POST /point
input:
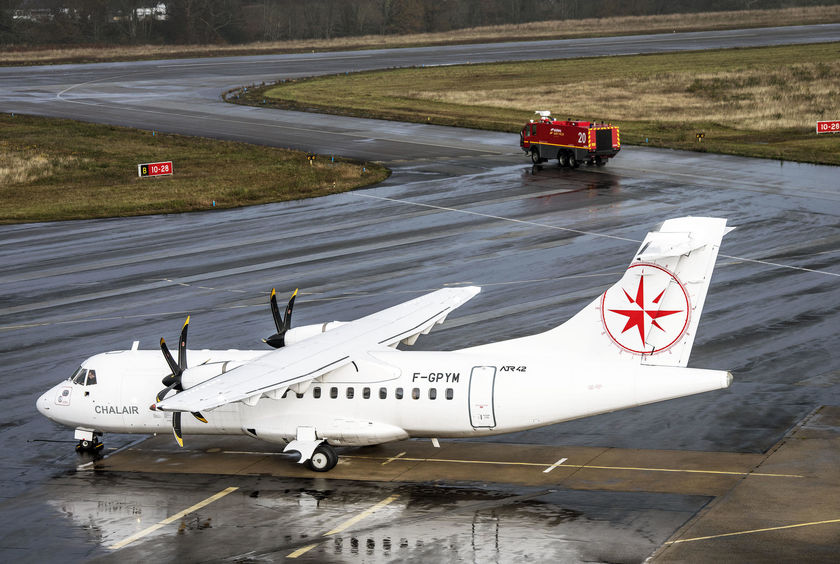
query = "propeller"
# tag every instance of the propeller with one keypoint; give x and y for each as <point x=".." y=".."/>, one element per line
<point x="283" y="323"/>
<point x="174" y="381"/>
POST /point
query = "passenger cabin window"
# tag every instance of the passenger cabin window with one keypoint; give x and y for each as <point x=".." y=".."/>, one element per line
<point x="78" y="376"/>
<point x="383" y="393"/>
<point x="91" y="378"/>
<point x="398" y="393"/>
<point x="333" y="393"/>
<point x="415" y="393"/>
<point x="316" y="392"/>
<point x="366" y="393"/>
<point x="350" y="393"/>
<point x="450" y="393"/>
<point x="432" y="393"/>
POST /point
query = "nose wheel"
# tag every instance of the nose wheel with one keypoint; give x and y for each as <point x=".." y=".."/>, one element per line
<point x="88" y="446"/>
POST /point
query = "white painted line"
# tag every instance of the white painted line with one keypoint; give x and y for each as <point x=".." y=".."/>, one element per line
<point x="555" y="465"/>
<point x="557" y="228"/>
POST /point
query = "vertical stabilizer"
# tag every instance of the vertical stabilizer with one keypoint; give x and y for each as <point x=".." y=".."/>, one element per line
<point x="650" y="315"/>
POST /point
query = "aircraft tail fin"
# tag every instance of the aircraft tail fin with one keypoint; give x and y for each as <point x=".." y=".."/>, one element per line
<point x="650" y="315"/>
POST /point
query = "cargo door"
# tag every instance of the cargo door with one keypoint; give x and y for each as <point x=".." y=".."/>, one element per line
<point x="482" y="414"/>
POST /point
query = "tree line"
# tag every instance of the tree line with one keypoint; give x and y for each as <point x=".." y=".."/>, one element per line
<point x="42" y="22"/>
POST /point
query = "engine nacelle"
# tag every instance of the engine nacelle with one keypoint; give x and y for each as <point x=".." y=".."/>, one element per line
<point x="298" y="334"/>
<point x="197" y="374"/>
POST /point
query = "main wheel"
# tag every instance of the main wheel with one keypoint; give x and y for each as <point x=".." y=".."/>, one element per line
<point x="562" y="159"/>
<point x="323" y="459"/>
<point x="535" y="157"/>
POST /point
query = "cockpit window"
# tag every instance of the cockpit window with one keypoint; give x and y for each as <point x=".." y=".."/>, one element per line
<point x="78" y="376"/>
<point x="91" y="379"/>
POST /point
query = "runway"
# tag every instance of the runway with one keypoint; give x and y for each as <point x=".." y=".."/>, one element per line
<point x="541" y="243"/>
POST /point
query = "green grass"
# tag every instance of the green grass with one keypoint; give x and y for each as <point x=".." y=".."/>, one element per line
<point x="761" y="102"/>
<point x="61" y="169"/>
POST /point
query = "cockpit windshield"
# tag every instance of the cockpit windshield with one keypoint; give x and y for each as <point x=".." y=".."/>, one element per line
<point x="78" y="376"/>
<point x="84" y="377"/>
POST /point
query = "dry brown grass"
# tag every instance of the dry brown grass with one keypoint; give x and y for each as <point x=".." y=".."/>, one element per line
<point x="20" y="166"/>
<point x="752" y="97"/>
<point x="557" y="29"/>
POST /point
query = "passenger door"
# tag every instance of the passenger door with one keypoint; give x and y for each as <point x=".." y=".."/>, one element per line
<point x="482" y="380"/>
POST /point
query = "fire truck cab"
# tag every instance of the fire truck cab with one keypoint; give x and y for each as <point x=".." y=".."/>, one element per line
<point x="571" y="142"/>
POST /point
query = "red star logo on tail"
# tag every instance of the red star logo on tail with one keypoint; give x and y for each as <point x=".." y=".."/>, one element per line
<point x="623" y="311"/>
<point x="636" y="317"/>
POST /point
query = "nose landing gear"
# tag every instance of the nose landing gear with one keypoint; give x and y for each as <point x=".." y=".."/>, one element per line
<point x="88" y="442"/>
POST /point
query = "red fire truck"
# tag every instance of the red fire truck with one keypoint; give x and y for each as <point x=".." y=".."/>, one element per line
<point x="570" y="142"/>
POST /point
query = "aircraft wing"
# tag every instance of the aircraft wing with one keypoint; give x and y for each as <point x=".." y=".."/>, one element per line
<point x="321" y="353"/>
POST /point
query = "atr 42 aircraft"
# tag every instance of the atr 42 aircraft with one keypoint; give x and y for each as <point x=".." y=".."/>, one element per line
<point x="345" y="384"/>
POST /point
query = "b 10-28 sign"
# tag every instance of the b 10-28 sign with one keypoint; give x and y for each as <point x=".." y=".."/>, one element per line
<point x="154" y="169"/>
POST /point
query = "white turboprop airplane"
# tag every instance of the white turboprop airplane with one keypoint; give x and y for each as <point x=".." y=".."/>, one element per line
<point x="345" y="384"/>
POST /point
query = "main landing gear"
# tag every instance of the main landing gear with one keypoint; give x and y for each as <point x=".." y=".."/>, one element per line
<point x="323" y="459"/>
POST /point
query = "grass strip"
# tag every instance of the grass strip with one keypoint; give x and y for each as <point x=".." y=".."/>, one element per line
<point x="54" y="169"/>
<point x="758" y="102"/>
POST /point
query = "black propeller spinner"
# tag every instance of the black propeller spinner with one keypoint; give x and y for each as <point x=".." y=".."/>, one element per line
<point x="173" y="381"/>
<point x="283" y="323"/>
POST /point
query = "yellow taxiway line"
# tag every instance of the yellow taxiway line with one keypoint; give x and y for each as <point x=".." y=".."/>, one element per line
<point x="345" y="525"/>
<point x="811" y="524"/>
<point x="171" y="519"/>
<point x="578" y="466"/>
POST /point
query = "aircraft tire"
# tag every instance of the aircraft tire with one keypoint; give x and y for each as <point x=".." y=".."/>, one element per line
<point x="323" y="459"/>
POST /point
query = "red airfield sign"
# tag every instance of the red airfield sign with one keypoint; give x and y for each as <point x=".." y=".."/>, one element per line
<point x="832" y="126"/>
<point x="154" y="169"/>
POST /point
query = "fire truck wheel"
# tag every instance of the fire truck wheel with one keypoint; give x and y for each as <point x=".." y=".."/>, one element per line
<point x="573" y="162"/>
<point x="600" y="162"/>
<point x="563" y="159"/>
<point x="535" y="157"/>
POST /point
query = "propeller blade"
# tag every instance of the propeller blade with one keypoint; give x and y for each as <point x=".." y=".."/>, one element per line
<point x="162" y="393"/>
<point x="173" y="366"/>
<point x="199" y="416"/>
<point x="275" y="312"/>
<point x="283" y="324"/>
<point x="182" y="346"/>
<point x="287" y="319"/>
<point x="176" y="427"/>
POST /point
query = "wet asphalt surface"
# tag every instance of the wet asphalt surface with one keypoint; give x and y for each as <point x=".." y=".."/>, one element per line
<point x="541" y="243"/>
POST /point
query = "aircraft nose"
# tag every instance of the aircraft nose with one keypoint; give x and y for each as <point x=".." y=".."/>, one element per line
<point x="43" y="403"/>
